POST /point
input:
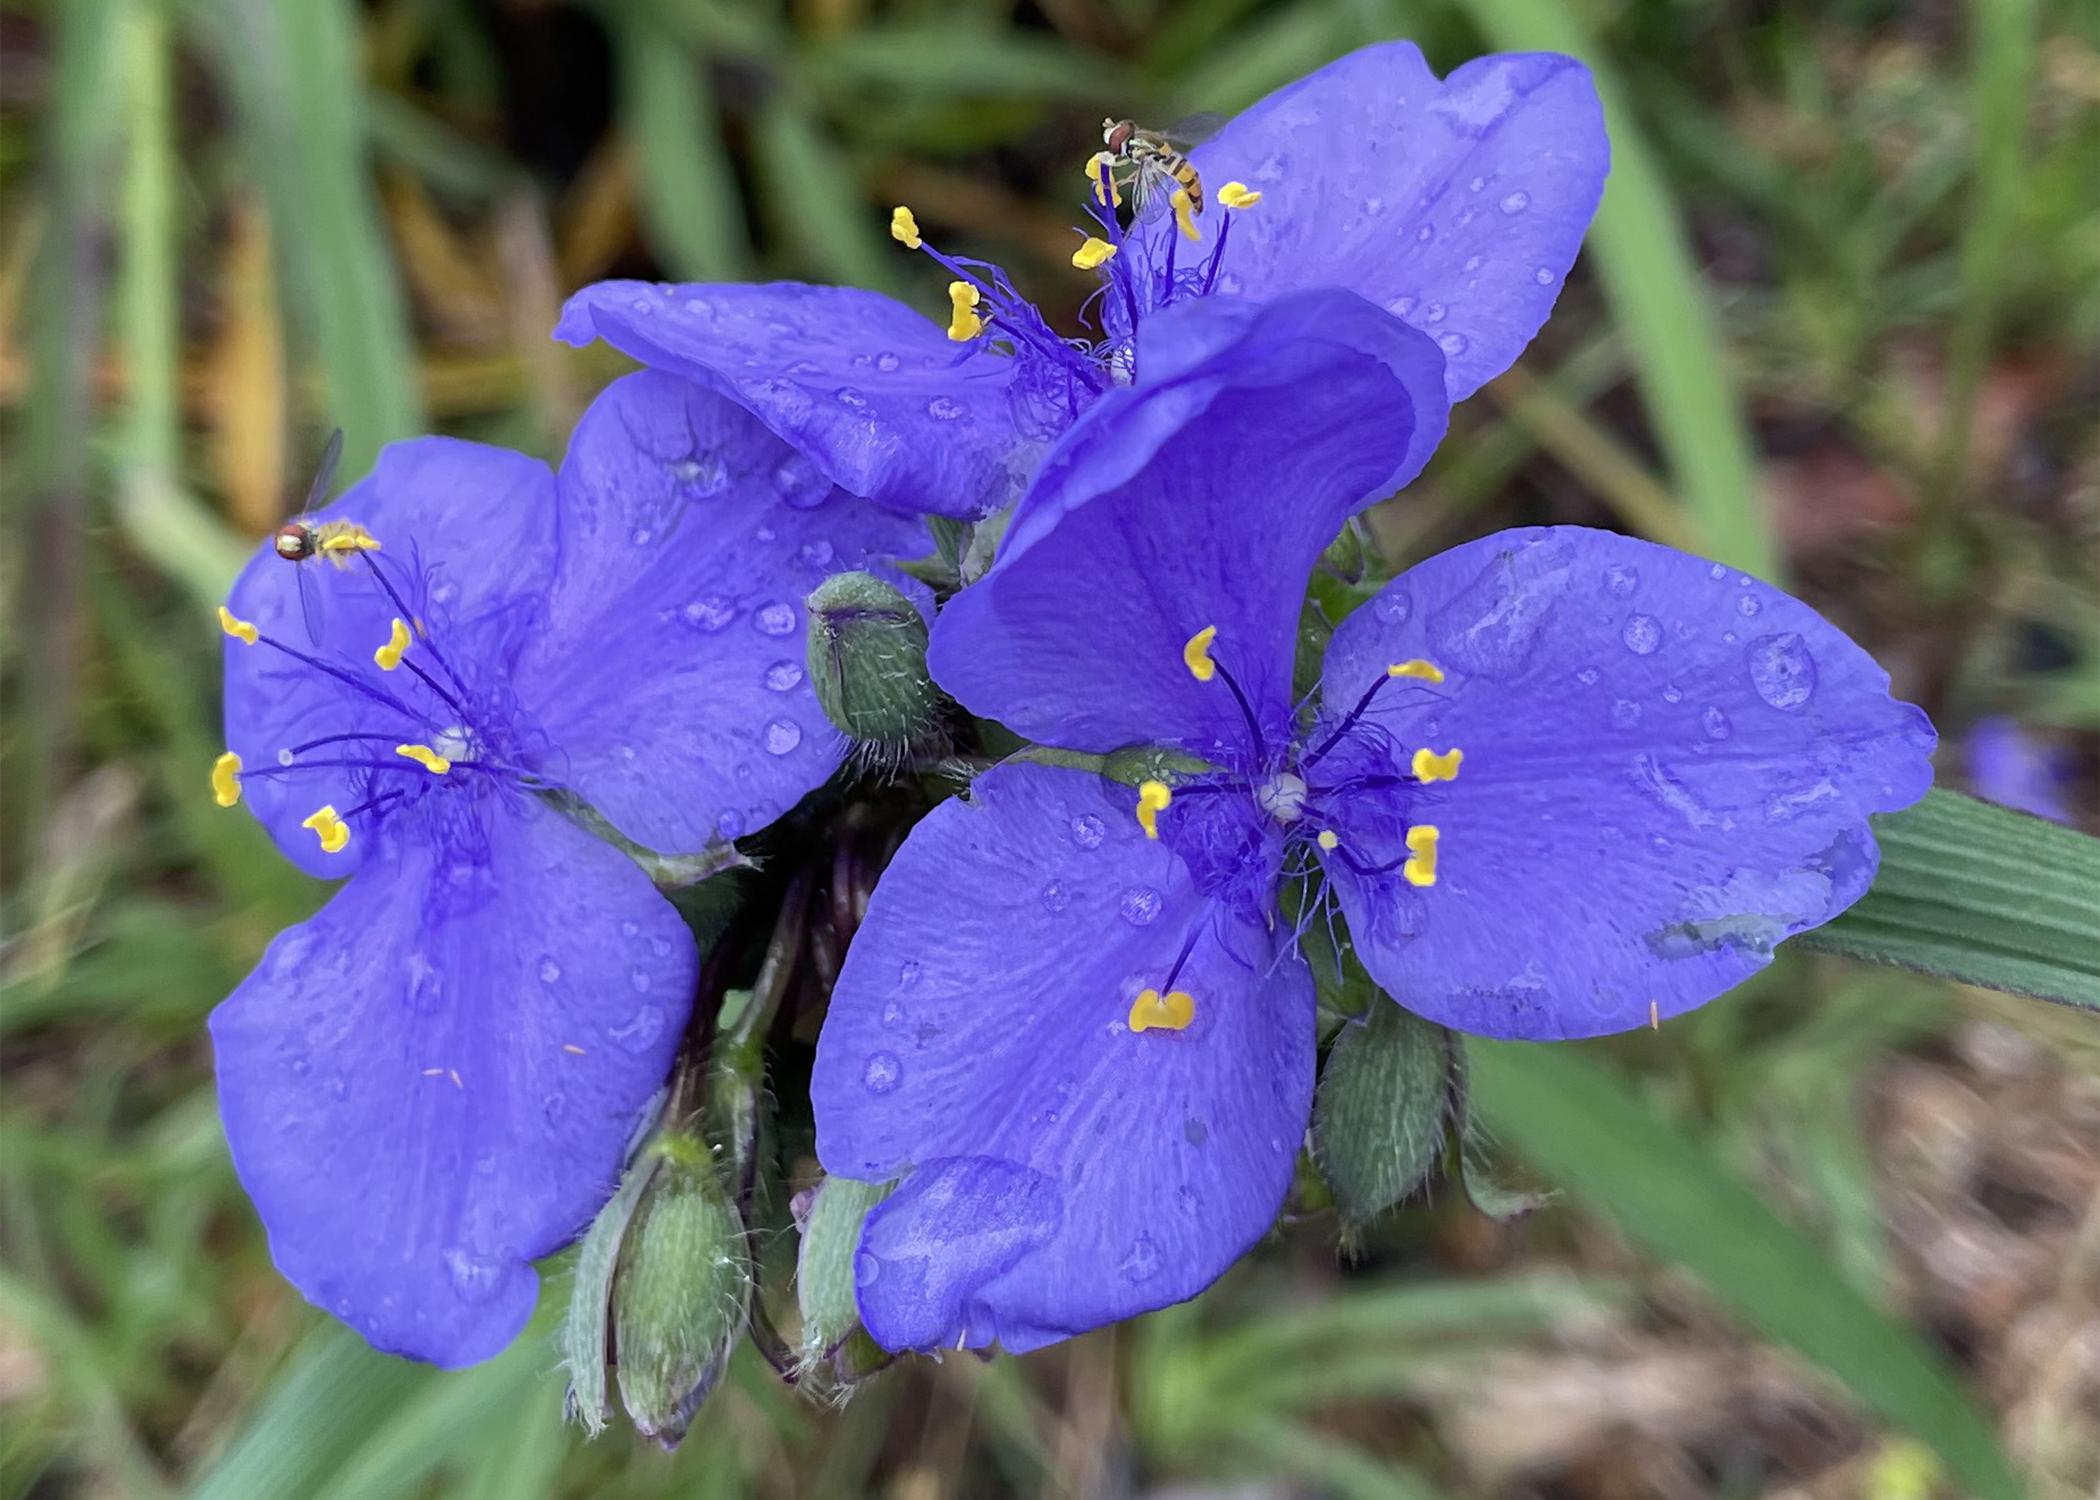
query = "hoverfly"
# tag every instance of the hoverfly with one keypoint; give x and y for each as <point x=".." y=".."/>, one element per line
<point x="1151" y="164"/>
<point x="304" y="538"/>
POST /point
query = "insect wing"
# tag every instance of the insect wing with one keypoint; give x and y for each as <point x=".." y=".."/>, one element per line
<point x="324" y="473"/>
<point x="309" y="601"/>
<point x="1189" y="132"/>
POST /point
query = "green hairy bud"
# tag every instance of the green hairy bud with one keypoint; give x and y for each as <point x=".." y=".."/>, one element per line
<point x="867" y="660"/>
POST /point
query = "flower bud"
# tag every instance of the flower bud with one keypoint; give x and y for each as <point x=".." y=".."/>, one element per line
<point x="830" y="1217"/>
<point x="867" y="660"/>
<point x="681" y="1293"/>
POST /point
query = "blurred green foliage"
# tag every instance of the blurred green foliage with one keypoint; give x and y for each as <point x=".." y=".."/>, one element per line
<point x="1837" y="323"/>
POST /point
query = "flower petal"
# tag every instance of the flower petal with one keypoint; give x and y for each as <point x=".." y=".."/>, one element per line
<point x="1668" y="768"/>
<point x="872" y="394"/>
<point x="1199" y="497"/>
<point x="466" y="532"/>
<point x="1458" y="205"/>
<point x="1061" y="1171"/>
<point x="669" y="675"/>
<point x="433" y="1081"/>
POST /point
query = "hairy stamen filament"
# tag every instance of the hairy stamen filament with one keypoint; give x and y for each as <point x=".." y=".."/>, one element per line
<point x="414" y="620"/>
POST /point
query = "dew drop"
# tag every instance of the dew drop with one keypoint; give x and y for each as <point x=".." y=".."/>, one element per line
<point x="284" y="757"/>
<point x="783" y="735"/>
<point x="775" y="619"/>
<point x="799" y="482"/>
<point x="1587" y="677"/>
<point x="1425" y="234"/>
<point x="1472" y="263"/>
<point x="818" y="554"/>
<point x="475" y="1277"/>
<point x="1141" y="905"/>
<point x="1453" y="344"/>
<point x="1434" y="313"/>
<point x="1143" y="1261"/>
<point x="643" y="306"/>
<point x="1625" y="713"/>
<point x="1782" y="670"/>
<point x="1621" y="580"/>
<point x="944" y="408"/>
<point x="1087" y="831"/>
<point x="1747" y="605"/>
<point x="893" y="1015"/>
<point x="1672" y="693"/>
<point x="846" y="395"/>
<point x="1717" y="572"/>
<point x="1394" y="606"/>
<point x="550" y="971"/>
<point x="783" y="676"/>
<point x="1715" y="723"/>
<point x="638" y="980"/>
<point x="1056" y="897"/>
<point x="1641" y="634"/>
<point x="881" y="1073"/>
<point x="300" y="1066"/>
<point x="867" y="1267"/>
<point x="709" y="614"/>
<point x="1477" y="184"/>
<point x="729" y="824"/>
<point x="1516" y="203"/>
<point x="1400" y="307"/>
<point x="887" y="362"/>
<point x="908" y="973"/>
<point x="553" y="1107"/>
<point x="1543" y="276"/>
<point x="642" y="1028"/>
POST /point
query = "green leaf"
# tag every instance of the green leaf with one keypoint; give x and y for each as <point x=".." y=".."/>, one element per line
<point x="689" y="200"/>
<point x="1379" y="1116"/>
<point x="1583" y="1125"/>
<point x="1978" y="893"/>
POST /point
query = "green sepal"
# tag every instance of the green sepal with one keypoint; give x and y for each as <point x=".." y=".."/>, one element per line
<point x="836" y="1209"/>
<point x="1383" y="1109"/>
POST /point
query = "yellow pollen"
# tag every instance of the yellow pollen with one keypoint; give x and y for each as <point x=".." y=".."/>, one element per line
<point x="425" y="757"/>
<point x="1094" y="253"/>
<point x="1196" y="654"/>
<point x="1238" y="195"/>
<point x="1430" y="766"/>
<point x="226" y="779"/>
<point x="389" y="655"/>
<point x="1420" y="869"/>
<point x="1427" y="671"/>
<point x="350" y="539"/>
<point x="1328" y="839"/>
<point x="1153" y="797"/>
<point x="1101" y="172"/>
<point x="963" y="322"/>
<point x="904" y="229"/>
<point x="1153" y="1012"/>
<point x="1185" y="213"/>
<point x="332" y="831"/>
<point x="236" y="627"/>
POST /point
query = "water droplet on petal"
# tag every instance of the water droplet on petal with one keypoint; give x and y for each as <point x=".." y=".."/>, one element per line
<point x="550" y="971"/>
<point x="881" y="1073"/>
<point x="1782" y="670"/>
<point x="1715" y="723"/>
<point x="1056" y="897"/>
<point x="642" y="1028"/>
<point x="784" y="676"/>
<point x="1621" y="580"/>
<point x="1543" y="276"/>
<point x="1625" y="713"/>
<point x="887" y="362"/>
<point x="553" y="1107"/>
<point x="1642" y="634"/>
<point x="475" y="1277"/>
<point x="709" y="614"/>
<point x="817" y="554"/>
<point x="1141" y="905"/>
<point x="1453" y="344"/>
<point x="638" y="979"/>
<point x="1087" y="831"/>
<point x="729" y="824"/>
<point x="1143" y="1261"/>
<point x="867" y="1267"/>
<point x="300" y="1066"/>
<point x="783" y="735"/>
<point x="1425" y="234"/>
<point x="800" y="483"/>
<point x="1477" y="184"/>
<point x="908" y="973"/>
<point x="1516" y="203"/>
<point x="892" y="1014"/>
<point x="1394" y="606"/>
<point x="944" y="409"/>
<point x="775" y="619"/>
<point x="1433" y="313"/>
<point x="1748" y="605"/>
<point x="1587" y="677"/>
<point x="848" y="396"/>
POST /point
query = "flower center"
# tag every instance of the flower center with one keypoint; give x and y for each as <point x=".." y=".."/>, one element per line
<point x="427" y="728"/>
<point x="1282" y="797"/>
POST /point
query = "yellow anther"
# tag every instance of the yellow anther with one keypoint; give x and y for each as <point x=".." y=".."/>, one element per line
<point x="425" y="757"/>
<point x="1427" y="671"/>
<point x="1101" y="172"/>
<point x="1094" y="253"/>
<point x="236" y="627"/>
<point x="1152" y="1011"/>
<point x="904" y="229"/>
<point x="1185" y="213"/>
<point x="1328" y="839"/>
<point x="1420" y="869"/>
<point x="1196" y="654"/>
<point x="963" y="322"/>
<point x="348" y="540"/>
<point x="226" y="779"/>
<point x="1153" y="797"/>
<point x="1238" y="195"/>
<point x="332" y="831"/>
<point x="1430" y="766"/>
<point x="389" y="655"/>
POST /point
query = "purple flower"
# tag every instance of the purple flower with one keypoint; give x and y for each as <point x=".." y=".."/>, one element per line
<point x="1457" y="206"/>
<point x="2008" y="767"/>
<point x="1558" y="781"/>
<point x="432" y="1081"/>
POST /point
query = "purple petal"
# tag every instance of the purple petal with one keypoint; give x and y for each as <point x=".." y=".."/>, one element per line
<point x="467" y="535"/>
<point x="1668" y="770"/>
<point x="866" y="390"/>
<point x="433" y="1082"/>
<point x="1199" y="497"/>
<point x="669" y="674"/>
<point x="1459" y="205"/>
<point x="2009" y="768"/>
<point x="1061" y="1171"/>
